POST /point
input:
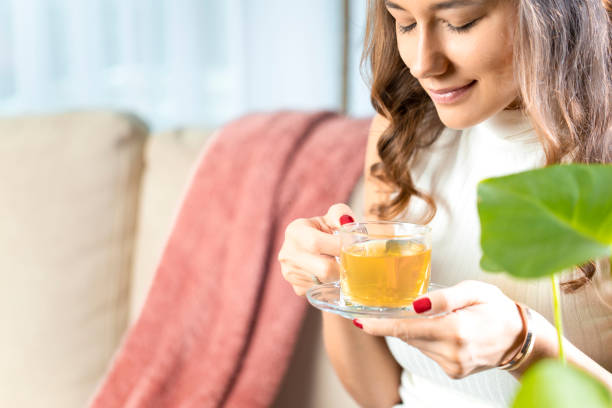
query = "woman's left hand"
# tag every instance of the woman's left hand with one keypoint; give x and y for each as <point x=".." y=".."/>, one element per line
<point x="481" y="329"/>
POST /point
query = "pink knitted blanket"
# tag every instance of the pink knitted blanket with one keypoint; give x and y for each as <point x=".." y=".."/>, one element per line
<point x="219" y="324"/>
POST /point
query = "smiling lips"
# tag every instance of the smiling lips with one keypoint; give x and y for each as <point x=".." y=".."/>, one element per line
<point x="450" y="95"/>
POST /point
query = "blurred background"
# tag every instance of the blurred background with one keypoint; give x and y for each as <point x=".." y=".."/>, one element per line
<point x="105" y="107"/>
<point x="181" y="62"/>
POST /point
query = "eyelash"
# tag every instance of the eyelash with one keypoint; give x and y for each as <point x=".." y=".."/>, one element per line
<point x="464" y="28"/>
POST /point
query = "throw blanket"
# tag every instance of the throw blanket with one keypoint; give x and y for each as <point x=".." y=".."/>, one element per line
<point x="219" y="323"/>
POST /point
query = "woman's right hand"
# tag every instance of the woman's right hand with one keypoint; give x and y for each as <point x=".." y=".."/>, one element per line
<point x="307" y="256"/>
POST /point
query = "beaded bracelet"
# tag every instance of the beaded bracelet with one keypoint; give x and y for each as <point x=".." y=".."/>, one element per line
<point x="528" y="342"/>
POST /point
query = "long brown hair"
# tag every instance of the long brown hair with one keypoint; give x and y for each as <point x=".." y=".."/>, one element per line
<point x="563" y="66"/>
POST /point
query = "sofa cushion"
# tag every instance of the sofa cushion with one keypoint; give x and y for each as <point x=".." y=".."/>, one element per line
<point x="170" y="158"/>
<point x="70" y="185"/>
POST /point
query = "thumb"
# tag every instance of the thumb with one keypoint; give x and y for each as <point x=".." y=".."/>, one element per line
<point x="447" y="300"/>
<point x="338" y="214"/>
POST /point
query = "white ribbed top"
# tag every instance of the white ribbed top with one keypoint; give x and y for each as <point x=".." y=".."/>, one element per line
<point x="450" y="170"/>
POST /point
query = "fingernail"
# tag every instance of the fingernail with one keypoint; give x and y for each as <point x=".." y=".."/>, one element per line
<point x="421" y="305"/>
<point x="345" y="219"/>
<point x="356" y="323"/>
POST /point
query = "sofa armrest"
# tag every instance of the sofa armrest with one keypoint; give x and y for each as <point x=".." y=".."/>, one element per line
<point x="70" y="185"/>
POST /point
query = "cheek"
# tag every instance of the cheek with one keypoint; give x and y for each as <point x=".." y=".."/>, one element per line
<point x="488" y="60"/>
<point x="497" y="50"/>
<point x="496" y="68"/>
<point x="405" y="51"/>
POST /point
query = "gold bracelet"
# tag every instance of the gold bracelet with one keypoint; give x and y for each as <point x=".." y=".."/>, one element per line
<point x="528" y="341"/>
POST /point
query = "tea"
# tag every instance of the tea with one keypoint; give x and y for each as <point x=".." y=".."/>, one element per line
<point x="385" y="272"/>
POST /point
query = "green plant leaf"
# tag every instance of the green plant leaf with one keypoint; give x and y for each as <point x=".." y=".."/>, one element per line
<point x="543" y="221"/>
<point x="488" y="265"/>
<point x="549" y="383"/>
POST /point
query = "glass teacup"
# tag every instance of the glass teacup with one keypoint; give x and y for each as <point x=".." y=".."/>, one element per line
<point x="384" y="264"/>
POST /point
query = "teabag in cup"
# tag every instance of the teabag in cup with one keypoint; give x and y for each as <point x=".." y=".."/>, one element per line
<point x="403" y="246"/>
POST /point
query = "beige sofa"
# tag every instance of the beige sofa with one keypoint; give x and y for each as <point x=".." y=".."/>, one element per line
<point x="86" y="203"/>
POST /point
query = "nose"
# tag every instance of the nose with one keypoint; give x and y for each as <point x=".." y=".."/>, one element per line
<point x="428" y="57"/>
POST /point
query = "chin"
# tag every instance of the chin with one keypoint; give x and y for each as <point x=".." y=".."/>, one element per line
<point x="466" y="115"/>
<point x="458" y="119"/>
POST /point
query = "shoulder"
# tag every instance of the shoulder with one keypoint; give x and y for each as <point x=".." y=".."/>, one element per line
<point x="377" y="127"/>
<point x="375" y="190"/>
<point x="379" y="124"/>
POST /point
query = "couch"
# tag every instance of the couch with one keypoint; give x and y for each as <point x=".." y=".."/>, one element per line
<point x="87" y="201"/>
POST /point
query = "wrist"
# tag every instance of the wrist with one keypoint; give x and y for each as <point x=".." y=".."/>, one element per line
<point x="526" y="341"/>
<point x="516" y="332"/>
<point x="544" y="346"/>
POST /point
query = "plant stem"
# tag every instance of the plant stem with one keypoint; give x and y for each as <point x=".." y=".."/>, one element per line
<point x="558" y="321"/>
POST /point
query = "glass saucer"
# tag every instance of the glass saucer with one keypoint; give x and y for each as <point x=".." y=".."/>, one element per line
<point x="326" y="297"/>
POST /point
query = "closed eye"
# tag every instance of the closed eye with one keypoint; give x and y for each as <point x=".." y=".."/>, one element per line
<point x="458" y="29"/>
<point x="405" y="29"/>
<point x="463" y="28"/>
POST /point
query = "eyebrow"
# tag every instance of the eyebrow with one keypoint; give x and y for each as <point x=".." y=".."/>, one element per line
<point x="438" y="6"/>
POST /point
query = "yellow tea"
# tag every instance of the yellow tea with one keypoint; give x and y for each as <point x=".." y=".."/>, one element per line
<point x="384" y="273"/>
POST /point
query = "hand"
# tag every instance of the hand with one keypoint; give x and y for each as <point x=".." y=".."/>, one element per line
<point x="481" y="329"/>
<point x="307" y="254"/>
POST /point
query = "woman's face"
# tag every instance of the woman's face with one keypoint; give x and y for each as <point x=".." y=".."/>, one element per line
<point x="460" y="51"/>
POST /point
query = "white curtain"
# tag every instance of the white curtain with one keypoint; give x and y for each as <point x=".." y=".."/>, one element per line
<point x="177" y="62"/>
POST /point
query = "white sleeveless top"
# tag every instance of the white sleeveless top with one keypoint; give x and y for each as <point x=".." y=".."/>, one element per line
<point x="449" y="170"/>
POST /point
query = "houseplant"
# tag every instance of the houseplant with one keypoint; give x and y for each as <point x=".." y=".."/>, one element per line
<point x="538" y="223"/>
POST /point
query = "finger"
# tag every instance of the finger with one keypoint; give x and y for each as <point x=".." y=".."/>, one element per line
<point x="302" y="278"/>
<point x="307" y="234"/>
<point x="456" y="297"/>
<point x="323" y="267"/>
<point x="299" y="281"/>
<point x="318" y="242"/>
<point x="339" y="214"/>
<point x="406" y="329"/>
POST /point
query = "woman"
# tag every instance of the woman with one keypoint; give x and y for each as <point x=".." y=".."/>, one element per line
<point x="465" y="90"/>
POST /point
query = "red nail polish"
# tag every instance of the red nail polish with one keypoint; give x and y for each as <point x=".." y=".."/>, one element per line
<point x="356" y="323"/>
<point x="421" y="305"/>
<point x="345" y="219"/>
